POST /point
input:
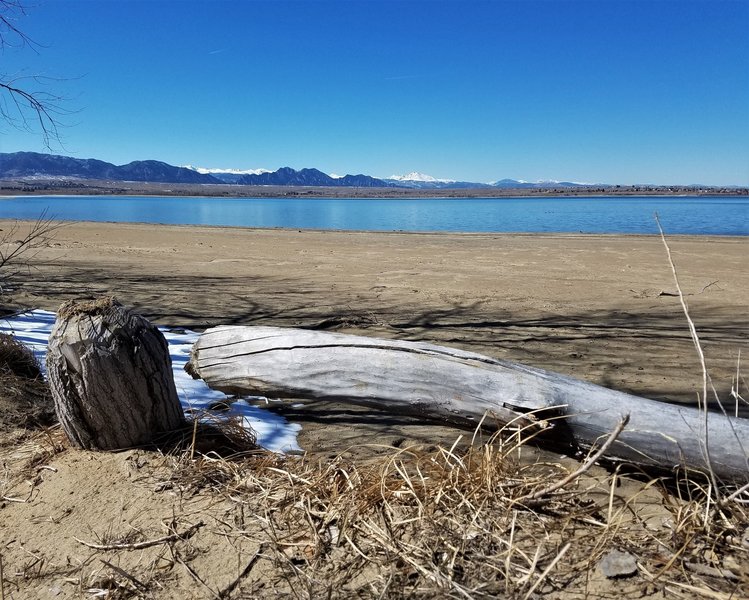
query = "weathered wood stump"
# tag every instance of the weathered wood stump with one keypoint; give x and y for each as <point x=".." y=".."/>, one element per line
<point x="111" y="376"/>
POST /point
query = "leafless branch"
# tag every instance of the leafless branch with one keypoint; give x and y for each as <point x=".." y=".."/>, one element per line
<point x="31" y="110"/>
<point x="10" y="35"/>
<point x="23" y="105"/>
<point x="188" y="533"/>
<point x="16" y="252"/>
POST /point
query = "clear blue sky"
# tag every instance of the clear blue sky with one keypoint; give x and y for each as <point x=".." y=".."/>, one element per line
<point x="595" y="91"/>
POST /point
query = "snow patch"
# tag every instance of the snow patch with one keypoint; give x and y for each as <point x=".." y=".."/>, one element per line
<point x="273" y="431"/>
<point x="415" y="176"/>
<point x="205" y="171"/>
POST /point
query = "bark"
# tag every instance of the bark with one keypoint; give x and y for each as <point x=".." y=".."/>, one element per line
<point x="111" y="376"/>
<point x="461" y="387"/>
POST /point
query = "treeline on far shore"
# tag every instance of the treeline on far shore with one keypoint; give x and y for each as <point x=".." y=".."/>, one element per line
<point x="20" y="187"/>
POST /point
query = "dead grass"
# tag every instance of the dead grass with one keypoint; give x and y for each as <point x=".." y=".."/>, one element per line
<point x="467" y="522"/>
<point x="476" y="520"/>
<point x="25" y="400"/>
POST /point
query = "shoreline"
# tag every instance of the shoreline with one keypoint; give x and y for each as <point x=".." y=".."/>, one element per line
<point x="79" y="187"/>
<point x="5" y="221"/>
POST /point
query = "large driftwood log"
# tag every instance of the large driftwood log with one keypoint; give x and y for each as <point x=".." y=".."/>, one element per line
<point x="111" y="376"/>
<point x="461" y="387"/>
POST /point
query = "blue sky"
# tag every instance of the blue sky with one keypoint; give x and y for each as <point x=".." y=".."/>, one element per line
<point x="595" y="91"/>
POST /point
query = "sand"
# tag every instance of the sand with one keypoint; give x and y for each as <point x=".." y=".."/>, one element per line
<point x="597" y="307"/>
<point x="601" y="308"/>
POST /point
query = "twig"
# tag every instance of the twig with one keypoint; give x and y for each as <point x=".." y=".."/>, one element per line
<point x="246" y="571"/>
<point x="194" y="575"/>
<point x="584" y="467"/>
<point x="194" y="435"/>
<point x="2" y="579"/>
<point x="125" y="574"/>
<point x="709" y="284"/>
<point x="701" y="569"/>
<point x="708" y="593"/>
<point x="737" y="493"/>
<point x="188" y="533"/>
<point x="12" y="499"/>
<point x="545" y="572"/>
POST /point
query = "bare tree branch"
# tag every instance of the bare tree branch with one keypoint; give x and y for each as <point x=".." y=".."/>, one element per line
<point x="16" y="253"/>
<point x="22" y="105"/>
<point x="10" y="35"/>
<point x="29" y="110"/>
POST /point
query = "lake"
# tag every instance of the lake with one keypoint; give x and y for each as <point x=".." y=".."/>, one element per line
<point x="706" y="215"/>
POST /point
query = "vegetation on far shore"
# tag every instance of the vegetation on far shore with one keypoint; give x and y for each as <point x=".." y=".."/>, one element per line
<point x="23" y="187"/>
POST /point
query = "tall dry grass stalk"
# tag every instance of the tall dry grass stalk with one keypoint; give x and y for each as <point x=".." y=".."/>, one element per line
<point x="702" y="399"/>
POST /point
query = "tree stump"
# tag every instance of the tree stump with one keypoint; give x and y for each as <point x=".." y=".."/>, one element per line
<point x="111" y="376"/>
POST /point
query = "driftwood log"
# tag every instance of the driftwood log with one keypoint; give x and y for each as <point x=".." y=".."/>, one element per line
<point x="111" y="376"/>
<point x="462" y="387"/>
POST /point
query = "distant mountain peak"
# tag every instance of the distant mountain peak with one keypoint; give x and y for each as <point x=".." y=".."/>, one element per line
<point x="421" y="177"/>
<point x="211" y="171"/>
<point x="521" y="183"/>
<point x="310" y="177"/>
<point x="34" y="164"/>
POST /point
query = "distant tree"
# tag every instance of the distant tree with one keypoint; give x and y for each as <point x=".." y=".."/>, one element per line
<point x="23" y="104"/>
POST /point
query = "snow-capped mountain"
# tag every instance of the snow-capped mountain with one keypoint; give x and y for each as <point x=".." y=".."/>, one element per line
<point x="288" y="176"/>
<point x="419" y="177"/>
<point x="205" y="171"/>
<point x="31" y="164"/>
<point x="227" y="175"/>
<point x="520" y="183"/>
<point x="421" y="181"/>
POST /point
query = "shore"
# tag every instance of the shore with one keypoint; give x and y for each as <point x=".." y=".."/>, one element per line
<point x="93" y="187"/>
<point x="598" y="307"/>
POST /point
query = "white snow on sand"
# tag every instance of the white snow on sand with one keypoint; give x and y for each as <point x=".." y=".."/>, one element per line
<point x="273" y="431"/>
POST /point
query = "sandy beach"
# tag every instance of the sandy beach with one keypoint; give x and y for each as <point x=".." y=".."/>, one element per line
<point x="597" y="307"/>
<point x="600" y="308"/>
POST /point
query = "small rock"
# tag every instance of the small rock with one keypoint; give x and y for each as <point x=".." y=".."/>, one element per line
<point x="618" y="564"/>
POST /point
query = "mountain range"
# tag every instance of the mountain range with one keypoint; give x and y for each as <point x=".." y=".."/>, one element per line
<point x="36" y="165"/>
<point x="33" y="164"/>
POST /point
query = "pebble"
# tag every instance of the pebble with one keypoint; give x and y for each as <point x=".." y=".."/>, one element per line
<point x="618" y="564"/>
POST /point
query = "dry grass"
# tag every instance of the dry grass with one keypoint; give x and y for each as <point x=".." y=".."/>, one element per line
<point x="477" y="520"/>
<point x="25" y="400"/>
<point x="466" y="522"/>
<point x="24" y="397"/>
<point x="17" y="359"/>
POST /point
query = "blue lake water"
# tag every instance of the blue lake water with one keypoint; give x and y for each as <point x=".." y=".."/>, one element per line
<point x="708" y="215"/>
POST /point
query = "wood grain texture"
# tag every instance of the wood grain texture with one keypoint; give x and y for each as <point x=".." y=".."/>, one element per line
<point x="460" y="387"/>
<point x="111" y="377"/>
